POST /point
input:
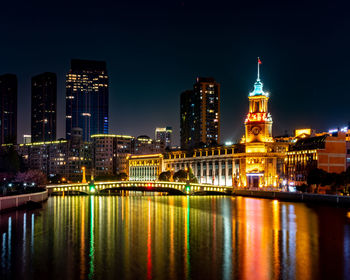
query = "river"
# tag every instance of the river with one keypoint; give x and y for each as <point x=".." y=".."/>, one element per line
<point x="175" y="237"/>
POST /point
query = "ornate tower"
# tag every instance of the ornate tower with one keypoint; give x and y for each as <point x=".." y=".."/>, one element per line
<point x="259" y="164"/>
<point x="258" y="124"/>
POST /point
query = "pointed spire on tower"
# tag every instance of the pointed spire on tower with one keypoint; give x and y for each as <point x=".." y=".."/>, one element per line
<point x="259" y="62"/>
<point x="258" y="85"/>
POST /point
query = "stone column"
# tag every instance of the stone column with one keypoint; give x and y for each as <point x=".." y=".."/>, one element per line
<point x="227" y="179"/>
<point x="207" y="175"/>
<point x="213" y="172"/>
<point x="201" y="172"/>
<point x="220" y="171"/>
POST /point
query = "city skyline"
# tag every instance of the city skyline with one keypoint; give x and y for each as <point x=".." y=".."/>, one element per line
<point x="152" y="58"/>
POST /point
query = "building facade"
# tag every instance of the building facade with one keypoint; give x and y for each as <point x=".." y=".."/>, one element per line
<point x="8" y="109"/>
<point x="163" y="137"/>
<point x="146" y="145"/>
<point x="145" y="167"/>
<point x="327" y="152"/>
<point x="200" y="114"/>
<point x="87" y="94"/>
<point x="44" y="107"/>
<point x="110" y="153"/>
<point x="258" y="161"/>
<point x="63" y="157"/>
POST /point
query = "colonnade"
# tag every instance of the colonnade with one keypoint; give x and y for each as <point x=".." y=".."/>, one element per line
<point x="143" y="173"/>
<point x="214" y="171"/>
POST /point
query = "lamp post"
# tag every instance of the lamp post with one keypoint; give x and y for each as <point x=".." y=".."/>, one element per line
<point x="84" y="177"/>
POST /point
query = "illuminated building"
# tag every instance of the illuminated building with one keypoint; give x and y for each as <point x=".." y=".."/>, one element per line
<point x="63" y="157"/>
<point x="262" y="165"/>
<point x="8" y="109"/>
<point x="327" y="152"/>
<point x="27" y="138"/>
<point x="304" y="132"/>
<point x="110" y="153"/>
<point x="87" y="98"/>
<point x="256" y="162"/>
<point x="145" y="167"/>
<point x="211" y="165"/>
<point x="163" y="137"/>
<point x="44" y="107"/>
<point x="145" y="145"/>
<point x="200" y="114"/>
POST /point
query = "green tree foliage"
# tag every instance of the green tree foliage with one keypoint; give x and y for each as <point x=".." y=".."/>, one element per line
<point x="180" y="176"/>
<point x="122" y="176"/>
<point x="193" y="179"/>
<point x="336" y="181"/>
<point x="315" y="177"/>
<point x="165" y="176"/>
<point x="184" y="176"/>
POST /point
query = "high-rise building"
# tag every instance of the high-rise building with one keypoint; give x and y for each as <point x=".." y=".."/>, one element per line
<point x="44" y="107"/>
<point x="163" y="137"/>
<point x="87" y="98"/>
<point x="188" y="121"/>
<point x="8" y="109"/>
<point x="200" y="114"/>
<point x="110" y="153"/>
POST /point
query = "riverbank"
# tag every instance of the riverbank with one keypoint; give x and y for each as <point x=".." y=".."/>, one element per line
<point x="343" y="201"/>
<point x="15" y="201"/>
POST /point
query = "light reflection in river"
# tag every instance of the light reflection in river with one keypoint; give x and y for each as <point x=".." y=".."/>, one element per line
<point x="175" y="238"/>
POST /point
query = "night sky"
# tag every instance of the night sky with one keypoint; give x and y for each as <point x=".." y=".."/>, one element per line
<point x="155" y="49"/>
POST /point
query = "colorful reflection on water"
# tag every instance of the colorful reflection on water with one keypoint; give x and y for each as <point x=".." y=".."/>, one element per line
<point x="175" y="237"/>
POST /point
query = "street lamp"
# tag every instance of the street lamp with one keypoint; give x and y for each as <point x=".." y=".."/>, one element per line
<point x="84" y="178"/>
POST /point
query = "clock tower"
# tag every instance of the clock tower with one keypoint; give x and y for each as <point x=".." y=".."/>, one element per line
<point x="258" y="124"/>
<point x="259" y="162"/>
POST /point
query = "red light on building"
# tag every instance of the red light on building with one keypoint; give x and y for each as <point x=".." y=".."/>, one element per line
<point x="256" y="117"/>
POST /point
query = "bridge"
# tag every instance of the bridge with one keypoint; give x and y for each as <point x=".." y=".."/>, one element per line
<point x="155" y="186"/>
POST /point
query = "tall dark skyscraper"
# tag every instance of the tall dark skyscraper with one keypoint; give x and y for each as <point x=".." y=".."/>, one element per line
<point x="200" y="114"/>
<point x="44" y="107"/>
<point x="189" y="122"/>
<point x="87" y="98"/>
<point x="8" y="109"/>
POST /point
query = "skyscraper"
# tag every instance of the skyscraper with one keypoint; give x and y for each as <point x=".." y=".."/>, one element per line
<point x="87" y="98"/>
<point x="44" y="107"/>
<point x="8" y="109"/>
<point x="200" y="114"/>
<point x="163" y="136"/>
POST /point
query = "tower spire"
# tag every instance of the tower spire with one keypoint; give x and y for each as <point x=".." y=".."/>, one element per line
<point x="258" y="85"/>
<point x="259" y="62"/>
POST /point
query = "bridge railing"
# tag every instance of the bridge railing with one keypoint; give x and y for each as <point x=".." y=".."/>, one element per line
<point x="98" y="186"/>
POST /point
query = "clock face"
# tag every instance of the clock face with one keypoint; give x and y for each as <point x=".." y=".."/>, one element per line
<point x="256" y="130"/>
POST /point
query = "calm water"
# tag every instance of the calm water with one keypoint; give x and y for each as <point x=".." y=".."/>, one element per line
<point x="180" y="237"/>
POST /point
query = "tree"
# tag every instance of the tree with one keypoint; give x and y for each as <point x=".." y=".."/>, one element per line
<point x="193" y="179"/>
<point x="165" y="176"/>
<point x="180" y="176"/>
<point x="32" y="176"/>
<point x="316" y="177"/>
<point x="122" y="176"/>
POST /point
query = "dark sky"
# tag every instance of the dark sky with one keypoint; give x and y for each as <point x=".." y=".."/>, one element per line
<point x="155" y="50"/>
